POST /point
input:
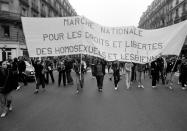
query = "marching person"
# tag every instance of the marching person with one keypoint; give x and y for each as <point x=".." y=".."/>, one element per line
<point x="62" y="72"/>
<point x="92" y="68"/>
<point x="49" y="70"/>
<point x="7" y="84"/>
<point x="40" y="78"/>
<point x="69" y="66"/>
<point x="116" y="73"/>
<point x="154" y="70"/>
<point x="100" y="72"/>
<point x="128" y="70"/>
<point x="22" y="68"/>
<point x="140" y="70"/>
<point x="80" y="69"/>
<point x="184" y="73"/>
<point x="16" y="72"/>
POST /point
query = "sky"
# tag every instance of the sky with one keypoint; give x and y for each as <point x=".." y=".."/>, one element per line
<point x="111" y="12"/>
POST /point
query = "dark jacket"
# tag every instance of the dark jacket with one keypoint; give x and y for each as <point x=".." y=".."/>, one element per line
<point x="103" y="68"/>
<point x="7" y="81"/>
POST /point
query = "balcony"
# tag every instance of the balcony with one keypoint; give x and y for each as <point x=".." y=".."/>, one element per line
<point x="9" y="16"/>
<point x="184" y="15"/>
<point x="177" y="19"/>
<point x="43" y="13"/>
<point x="35" y="7"/>
<point x="13" y="39"/>
<point x="170" y="22"/>
<point x="25" y="2"/>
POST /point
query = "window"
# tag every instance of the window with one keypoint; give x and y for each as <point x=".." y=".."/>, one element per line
<point x="6" y="30"/>
<point x="4" y="7"/>
<point x="177" y="1"/>
<point x="24" y="11"/>
<point x="177" y="13"/>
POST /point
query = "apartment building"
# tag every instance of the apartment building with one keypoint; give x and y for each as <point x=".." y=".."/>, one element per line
<point x="162" y="13"/>
<point x="12" y="41"/>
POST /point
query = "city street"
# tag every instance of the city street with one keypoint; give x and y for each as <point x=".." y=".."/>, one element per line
<point x="61" y="109"/>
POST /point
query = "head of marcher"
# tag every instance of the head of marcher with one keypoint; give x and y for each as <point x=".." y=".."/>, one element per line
<point x="4" y="64"/>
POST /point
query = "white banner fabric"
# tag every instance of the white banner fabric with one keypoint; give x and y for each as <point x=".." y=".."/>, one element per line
<point x="78" y="35"/>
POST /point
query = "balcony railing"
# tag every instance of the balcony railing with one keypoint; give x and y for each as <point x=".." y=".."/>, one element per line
<point x="5" y="15"/>
<point x="35" y="7"/>
<point x="170" y="22"/>
<point x="43" y="13"/>
<point x="25" y="2"/>
<point x="17" y="39"/>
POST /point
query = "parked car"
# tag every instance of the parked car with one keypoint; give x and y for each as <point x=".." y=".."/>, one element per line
<point x="30" y="71"/>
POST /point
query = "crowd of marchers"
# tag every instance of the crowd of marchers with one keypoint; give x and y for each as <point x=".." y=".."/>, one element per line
<point x="13" y="73"/>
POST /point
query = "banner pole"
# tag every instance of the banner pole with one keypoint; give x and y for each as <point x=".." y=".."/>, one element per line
<point x="80" y="66"/>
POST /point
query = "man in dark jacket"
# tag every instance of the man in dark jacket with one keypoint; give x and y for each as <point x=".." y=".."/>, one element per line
<point x="154" y="73"/>
<point x="40" y="79"/>
<point x="22" y="68"/>
<point x="69" y="66"/>
<point x="100" y="72"/>
<point x="7" y="84"/>
<point x="49" y="70"/>
<point x="116" y="73"/>
<point x="62" y="73"/>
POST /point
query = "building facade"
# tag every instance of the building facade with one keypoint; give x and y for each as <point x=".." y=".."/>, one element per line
<point x="12" y="41"/>
<point x="162" y="13"/>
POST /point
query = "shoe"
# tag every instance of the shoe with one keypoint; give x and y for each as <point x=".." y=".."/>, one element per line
<point x="183" y="88"/>
<point x="116" y="88"/>
<point x="36" y="92"/>
<point x="170" y="88"/>
<point x="100" y="90"/>
<point x="139" y="86"/>
<point x="3" y="114"/>
<point x="10" y="108"/>
<point x="18" y="88"/>
<point x="142" y="86"/>
<point x="77" y="91"/>
<point x="153" y="87"/>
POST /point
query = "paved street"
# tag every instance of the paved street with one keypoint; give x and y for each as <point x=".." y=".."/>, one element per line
<point x="60" y="109"/>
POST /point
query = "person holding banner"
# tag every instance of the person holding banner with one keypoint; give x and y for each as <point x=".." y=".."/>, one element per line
<point x="69" y="66"/>
<point x="116" y="73"/>
<point x="40" y="78"/>
<point x="49" y="70"/>
<point x="100" y="72"/>
<point x="128" y="70"/>
<point x="154" y="70"/>
<point x="80" y="69"/>
<point x="62" y="72"/>
<point x="140" y="69"/>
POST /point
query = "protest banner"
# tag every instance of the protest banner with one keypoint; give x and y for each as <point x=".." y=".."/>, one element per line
<point x="78" y="35"/>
